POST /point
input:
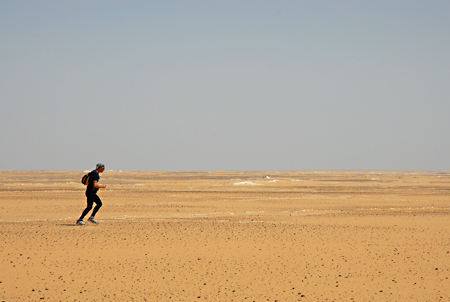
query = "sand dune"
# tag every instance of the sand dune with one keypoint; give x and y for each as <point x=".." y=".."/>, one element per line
<point x="227" y="236"/>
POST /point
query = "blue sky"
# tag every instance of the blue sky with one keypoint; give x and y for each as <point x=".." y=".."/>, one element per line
<point x="224" y="85"/>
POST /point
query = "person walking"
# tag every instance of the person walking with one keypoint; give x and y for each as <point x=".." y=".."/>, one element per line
<point x="91" y="194"/>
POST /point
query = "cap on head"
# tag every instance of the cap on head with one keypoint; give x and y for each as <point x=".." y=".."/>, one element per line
<point x="99" y="165"/>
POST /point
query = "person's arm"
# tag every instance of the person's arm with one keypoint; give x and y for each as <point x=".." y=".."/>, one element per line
<point x="98" y="186"/>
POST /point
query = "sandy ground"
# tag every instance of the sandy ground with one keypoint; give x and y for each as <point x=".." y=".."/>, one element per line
<point x="227" y="236"/>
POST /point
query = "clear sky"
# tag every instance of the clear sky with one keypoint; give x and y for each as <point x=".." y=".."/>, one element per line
<point x="225" y="85"/>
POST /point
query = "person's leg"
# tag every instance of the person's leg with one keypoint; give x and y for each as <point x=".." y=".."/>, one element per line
<point x="98" y="203"/>
<point x="90" y="203"/>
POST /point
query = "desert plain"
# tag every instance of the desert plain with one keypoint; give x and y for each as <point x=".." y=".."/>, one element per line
<point x="227" y="236"/>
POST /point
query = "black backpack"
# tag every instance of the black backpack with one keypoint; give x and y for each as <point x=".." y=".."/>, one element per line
<point x="85" y="179"/>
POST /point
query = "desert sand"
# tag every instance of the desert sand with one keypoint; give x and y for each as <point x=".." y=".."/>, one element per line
<point x="227" y="236"/>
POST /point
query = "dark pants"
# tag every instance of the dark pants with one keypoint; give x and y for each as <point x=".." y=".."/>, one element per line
<point x="91" y="198"/>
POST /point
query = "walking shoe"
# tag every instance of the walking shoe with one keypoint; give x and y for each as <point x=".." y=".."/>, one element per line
<point x="91" y="219"/>
<point x="81" y="222"/>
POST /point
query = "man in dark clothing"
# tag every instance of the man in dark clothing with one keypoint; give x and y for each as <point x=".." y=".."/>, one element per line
<point x="91" y="195"/>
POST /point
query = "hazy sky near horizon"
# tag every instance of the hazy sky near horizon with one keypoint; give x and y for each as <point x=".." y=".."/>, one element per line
<point x="224" y="85"/>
